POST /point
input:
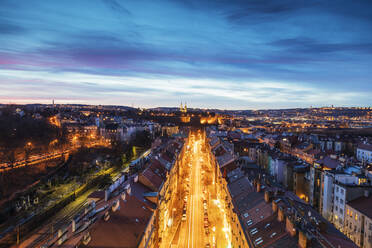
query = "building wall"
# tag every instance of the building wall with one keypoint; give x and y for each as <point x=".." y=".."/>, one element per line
<point x="171" y="130"/>
<point x="339" y="202"/>
<point x="299" y="185"/>
<point x="329" y="145"/>
<point x="367" y="239"/>
<point x="327" y="196"/>
<point x="342" y="195"/>
<point x="364" y="155"/>
<point x="277" y="169"/>
<point x="147" y="239"/>
<point x="238" y="238"/>
<point x="353" y="225"/>
<point x="288" y="177"/>
<point x="253" y="154"/>
<point x="315" y="188"/>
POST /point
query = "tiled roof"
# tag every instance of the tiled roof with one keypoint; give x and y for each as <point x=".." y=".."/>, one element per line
<point x="154" y="181"/>
<point x="272" y="232"/>
<point x="367" y="147"/>
<point x="124" y="228"/>
<point x="225" y="159"/>
<point x="362" y="204"/>
<point x="329" y="162"/>
<point x="239" y="186"/>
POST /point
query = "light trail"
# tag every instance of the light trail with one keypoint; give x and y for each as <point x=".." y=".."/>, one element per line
<point x="201" y="214"/>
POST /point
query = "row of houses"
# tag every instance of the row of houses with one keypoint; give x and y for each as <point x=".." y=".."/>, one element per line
<point x="127" y="214"/>
<point x="289" y="180"/>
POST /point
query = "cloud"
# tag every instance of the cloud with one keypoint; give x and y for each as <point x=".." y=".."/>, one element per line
<point x="8" y="27"/>
<point x="123" y="90"/>
<point x="117" y="7"/>
<point x="202" y="50"/>
<point x="308" y="45"/>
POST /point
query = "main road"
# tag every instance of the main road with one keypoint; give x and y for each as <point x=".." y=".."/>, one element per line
<point x="198" y="217"/>
<point x="194" y="223"/>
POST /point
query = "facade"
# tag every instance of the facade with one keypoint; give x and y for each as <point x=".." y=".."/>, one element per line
<point x="235" y="231"/>
<point x="343" y="194"/>
<point x="169" y="130"/>
<point x="332" y="198"/>
<point x="358" y="221"/>
<point x="364" y="153"/>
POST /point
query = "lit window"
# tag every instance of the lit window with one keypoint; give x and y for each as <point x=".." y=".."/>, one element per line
<point x="356" y="217"/>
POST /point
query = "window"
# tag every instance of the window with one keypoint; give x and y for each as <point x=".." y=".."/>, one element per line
<point x="356" y="216"/>
<point x="341" y="201"/>
<point x="342" y="191"/>
<point x="341" y="211"/>
<point x="348" y="212"/>
<point x="336" y="198"/>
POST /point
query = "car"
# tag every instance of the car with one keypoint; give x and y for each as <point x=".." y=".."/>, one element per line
<point x="206" y="224"/>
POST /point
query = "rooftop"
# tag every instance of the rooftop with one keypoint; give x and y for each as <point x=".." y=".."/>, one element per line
<point x="362" y="204"/>
<point x="366" y="147"/>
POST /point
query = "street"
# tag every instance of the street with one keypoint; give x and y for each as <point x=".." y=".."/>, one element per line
<point x="202" y="220"/>
<point x="194" y="225"/>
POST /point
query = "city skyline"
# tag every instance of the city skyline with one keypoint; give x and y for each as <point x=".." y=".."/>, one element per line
<point x="211" y="54"/>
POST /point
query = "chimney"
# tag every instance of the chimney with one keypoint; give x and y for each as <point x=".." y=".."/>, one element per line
<point x="116" y="206"/>
<point x="129" y="191"/>
<point x="289" y="227"/>
<point x="280" y="214"/>
<point x="106" y="216"/>
<point x="123" y="196"/>
<point x="267" y="196"/>
<point x="73" y="224"/>
<point x="61" y="237"/>
<point x="107" y="195"/>
<point x="303" y="241"/>
<point x="274" y="206"/>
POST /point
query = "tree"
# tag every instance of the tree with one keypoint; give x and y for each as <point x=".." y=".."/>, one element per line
<point x="10" y="154"/>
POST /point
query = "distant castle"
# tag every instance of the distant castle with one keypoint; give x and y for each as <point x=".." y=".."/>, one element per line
<point x="183" y="109"/>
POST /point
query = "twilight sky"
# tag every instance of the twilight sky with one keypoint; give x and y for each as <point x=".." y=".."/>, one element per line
<point x="229" y="54"/>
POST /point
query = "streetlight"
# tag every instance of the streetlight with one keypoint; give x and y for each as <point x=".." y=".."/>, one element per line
<point x="28" y="148"/>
